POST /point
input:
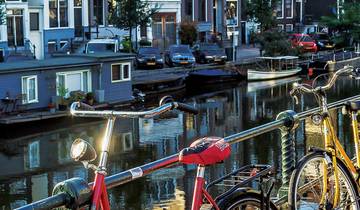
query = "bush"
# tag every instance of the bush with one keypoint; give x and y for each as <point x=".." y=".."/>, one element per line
<point x="126" y="43"/>
<point x="145" y="42"/>
<point x="188" y="32"/>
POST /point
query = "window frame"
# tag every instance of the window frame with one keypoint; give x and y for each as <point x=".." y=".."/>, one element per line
<point x="282" y="10"/>
<point x="291" y="27"/>
<point x="65" y="73"/>
<point x="291" y="8"/>
<point x="37" y="19"/>
<point x="121" y="72"/>
<point x="58" y="15"/>
<point x="26" y="100"/>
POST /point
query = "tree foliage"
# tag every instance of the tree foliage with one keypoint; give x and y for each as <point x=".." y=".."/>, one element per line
<point x="188" y="32"/>
<point x="347" y="26"/>
<point x="2" y="12"/>
<point x="275" y="43"/>
<point x="131" y="13"/>
<point x="262" y="12"/>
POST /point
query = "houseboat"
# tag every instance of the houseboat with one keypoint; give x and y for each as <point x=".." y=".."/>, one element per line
<point x="37" y="84"/>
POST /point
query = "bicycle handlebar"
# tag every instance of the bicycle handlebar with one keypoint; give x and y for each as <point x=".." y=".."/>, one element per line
<point x="91" y="112"/>
<point x="303" y="89"/>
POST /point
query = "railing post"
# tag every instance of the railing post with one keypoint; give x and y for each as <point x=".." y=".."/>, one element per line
<point x="287" y="148"/>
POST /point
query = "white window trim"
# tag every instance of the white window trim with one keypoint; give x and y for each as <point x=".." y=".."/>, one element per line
<point x="292" y="10"/>
<point x="58" y="15"/>
<point x="121" y="73"/>
<point x="292" y="27"/>
<point x="23" y="91"/>
<point x="282" y="10"/>
<point x="74" y="72"/>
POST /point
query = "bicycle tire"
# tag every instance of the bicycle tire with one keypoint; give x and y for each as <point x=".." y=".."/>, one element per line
<point x="247" y="200"/>
<point x="304" y="171"/>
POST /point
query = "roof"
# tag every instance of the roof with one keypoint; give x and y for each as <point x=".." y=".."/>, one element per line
<point x="103" y="41"/>
<point x="300" y="34"/>
<point x="287" y="57"/>
<point x="64" y="61"/>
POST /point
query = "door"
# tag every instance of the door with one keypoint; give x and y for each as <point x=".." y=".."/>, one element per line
<point x="15" y="28"/>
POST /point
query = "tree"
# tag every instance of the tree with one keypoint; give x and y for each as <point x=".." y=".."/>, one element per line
<point x="188" y="32"/>
<point x="129" y="14"/>
<point x="347" y="26"/>
<point x="2" y="12"/>
<point x="275" y="43"/>
<point x="262" y="12"/>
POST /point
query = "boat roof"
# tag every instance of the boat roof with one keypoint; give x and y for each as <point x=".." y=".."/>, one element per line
<point x="287" y="57"/>
<point x="103" y="41"/>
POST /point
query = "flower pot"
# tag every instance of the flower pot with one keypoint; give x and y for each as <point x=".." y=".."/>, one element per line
<point x="62" y="107"/>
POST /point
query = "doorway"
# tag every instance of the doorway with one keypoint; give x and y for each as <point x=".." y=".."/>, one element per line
<point x="15" y="28"/>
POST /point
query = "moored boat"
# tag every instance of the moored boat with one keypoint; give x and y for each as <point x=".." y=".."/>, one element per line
<point x="208" y="76"/>
<point x="273" y="68"/>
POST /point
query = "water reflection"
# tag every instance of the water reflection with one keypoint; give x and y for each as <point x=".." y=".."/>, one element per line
<point x="33" y="164"/>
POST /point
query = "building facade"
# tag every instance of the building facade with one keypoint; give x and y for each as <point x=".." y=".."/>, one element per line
<point x="41" y="27"/>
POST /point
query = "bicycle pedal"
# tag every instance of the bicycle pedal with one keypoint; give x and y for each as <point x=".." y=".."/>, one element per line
<point x="206" y="207"/>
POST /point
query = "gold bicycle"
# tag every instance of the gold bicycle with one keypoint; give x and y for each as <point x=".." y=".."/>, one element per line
<point x="325" y="178"/>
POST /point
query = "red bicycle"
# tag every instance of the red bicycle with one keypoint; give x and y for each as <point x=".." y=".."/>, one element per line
<point x="75" y="193"/>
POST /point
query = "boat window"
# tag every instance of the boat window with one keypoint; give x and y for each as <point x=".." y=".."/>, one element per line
<point x="100" y="47"/>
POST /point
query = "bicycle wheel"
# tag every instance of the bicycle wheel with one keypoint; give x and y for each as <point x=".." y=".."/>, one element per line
<point x="245" y="201"/>
<point x="306" y="185"/>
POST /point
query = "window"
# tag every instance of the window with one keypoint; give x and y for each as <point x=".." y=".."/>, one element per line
<point x="289" y="27"/>
<point x="34" y="154"/>
<point x="280" y="27"/>
<point x="58" y="13"/>
<point x="120" y="72"/>
<point x="188" y="9"/>
<point x="29" y="89"/>
<point x="74" y="81"/>
<point x="288" y="8"/>
<point x="63" y="43"/>
<point x="52" y="46"/>
<point x="98" y="12"/>
<point x="279" y="9"/>
<point x="34" y="21"/>
<point x="202" y="10"/>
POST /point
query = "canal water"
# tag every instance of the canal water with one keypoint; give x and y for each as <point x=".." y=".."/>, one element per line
<point x="33" y="159"/>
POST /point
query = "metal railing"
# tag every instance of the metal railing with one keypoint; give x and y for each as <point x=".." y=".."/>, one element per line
<point x="286" y="121"/>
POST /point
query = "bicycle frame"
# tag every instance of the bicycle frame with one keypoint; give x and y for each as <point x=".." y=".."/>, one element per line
<point x="199" y="190"/>
<point x="100" y="197"/>
<point x="334" y="147"/>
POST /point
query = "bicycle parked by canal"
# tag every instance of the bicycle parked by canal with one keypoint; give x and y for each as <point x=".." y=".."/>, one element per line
<point x="75" y="193"/>
<point x="327" y="178"/>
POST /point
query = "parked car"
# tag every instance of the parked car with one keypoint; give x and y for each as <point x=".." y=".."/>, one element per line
<point x="179" y="55"/>
<point x="149" y="57"/>
<point x="323" y="41"/>
<point x="102" y="45"/>
<point x="304" y="42"/>
<point x="209" y="53"/>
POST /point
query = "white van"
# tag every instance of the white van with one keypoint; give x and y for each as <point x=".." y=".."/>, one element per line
<point x="102" y="45"/>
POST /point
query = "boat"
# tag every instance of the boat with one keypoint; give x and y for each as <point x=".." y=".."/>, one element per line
<point x="273" y="68"/>
<point x="210" y="76"/>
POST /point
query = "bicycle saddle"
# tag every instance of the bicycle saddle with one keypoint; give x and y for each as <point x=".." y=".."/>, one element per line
<point x="353" y="106"/>
<point x="205" y="151"/>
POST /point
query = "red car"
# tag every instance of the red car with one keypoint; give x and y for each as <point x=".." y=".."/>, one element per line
<point x="304" y="42"/>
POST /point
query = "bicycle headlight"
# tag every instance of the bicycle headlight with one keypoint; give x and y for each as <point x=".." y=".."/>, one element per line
<point x="82" y="151"/>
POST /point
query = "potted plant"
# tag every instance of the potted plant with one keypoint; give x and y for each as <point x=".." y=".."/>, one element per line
<point x="62" y="91"/>
<point x="90" y="98"/>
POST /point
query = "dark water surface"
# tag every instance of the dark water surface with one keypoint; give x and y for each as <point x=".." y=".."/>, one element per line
<point x="33" y="162"/>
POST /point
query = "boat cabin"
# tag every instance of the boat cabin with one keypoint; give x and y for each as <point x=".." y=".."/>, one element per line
<point x="278" y="63"/>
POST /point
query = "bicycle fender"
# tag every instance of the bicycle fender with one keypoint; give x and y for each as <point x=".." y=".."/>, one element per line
<point x="223" y="200"/>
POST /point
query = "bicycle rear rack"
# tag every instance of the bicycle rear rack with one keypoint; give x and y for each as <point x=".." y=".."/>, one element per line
<point x="242" y="177"/>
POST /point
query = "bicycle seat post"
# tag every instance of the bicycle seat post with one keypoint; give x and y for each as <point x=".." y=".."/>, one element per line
<point x="198" y="188"/>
